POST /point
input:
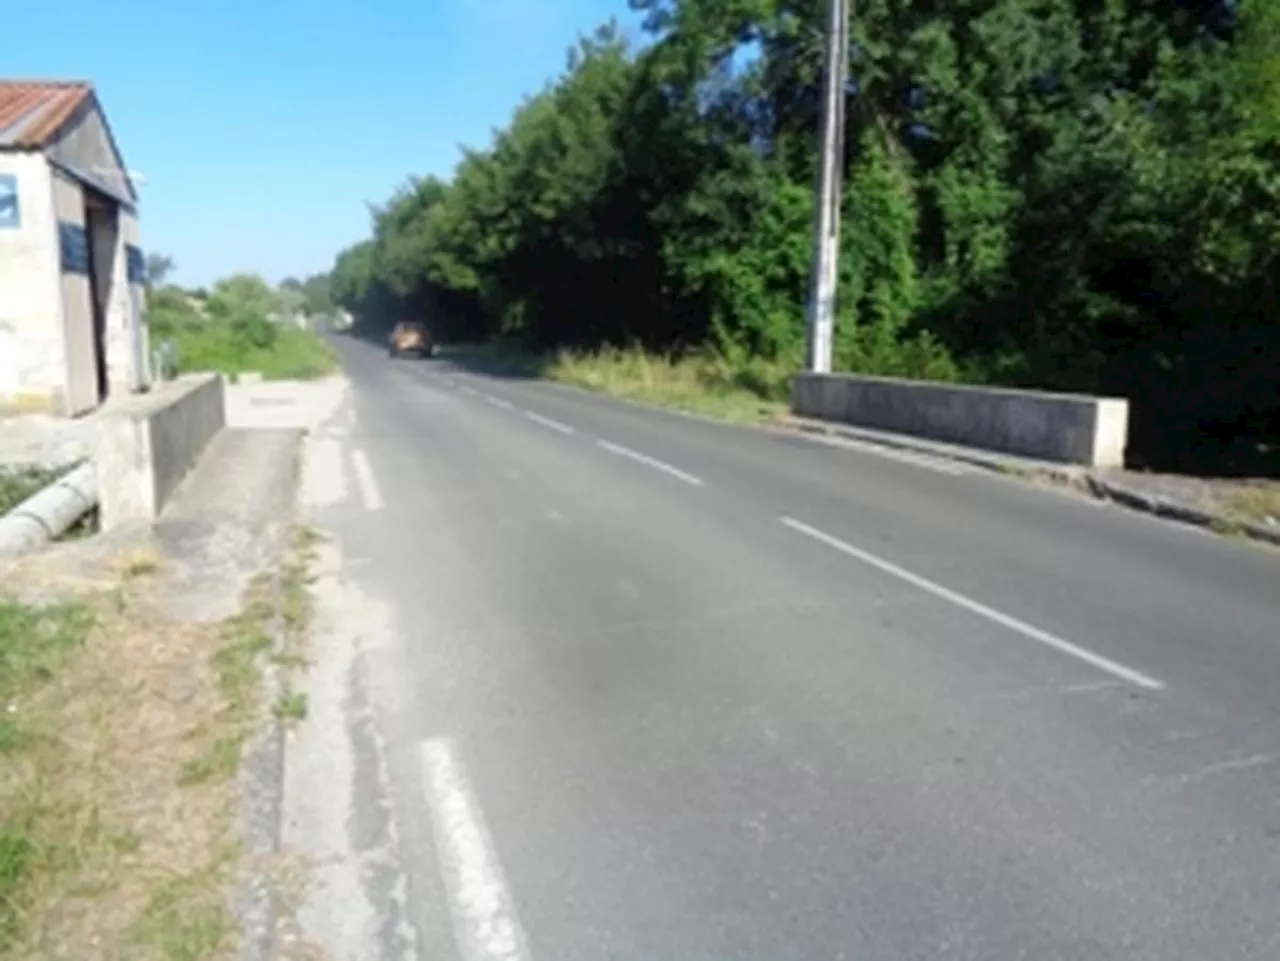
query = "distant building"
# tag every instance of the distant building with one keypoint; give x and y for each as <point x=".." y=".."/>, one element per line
<point x="72" y="305"/>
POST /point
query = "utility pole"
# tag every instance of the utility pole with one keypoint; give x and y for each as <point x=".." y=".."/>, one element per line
<point x="826" y="220"/>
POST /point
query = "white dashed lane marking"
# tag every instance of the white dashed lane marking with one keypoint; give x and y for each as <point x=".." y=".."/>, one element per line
<point x="651" y="462"/>
<point x="366" y="481"/>
<point x="1114" y="668"/>
<point x="548" y="422"/>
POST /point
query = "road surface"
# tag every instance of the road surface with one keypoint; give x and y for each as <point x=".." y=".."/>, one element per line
<point x="636" y="686"/>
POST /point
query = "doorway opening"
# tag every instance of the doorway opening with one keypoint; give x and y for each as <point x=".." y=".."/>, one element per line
<point x="102" y="228"/>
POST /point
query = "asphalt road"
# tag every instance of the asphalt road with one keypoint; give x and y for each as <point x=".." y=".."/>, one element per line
<point x="666" y="689"/>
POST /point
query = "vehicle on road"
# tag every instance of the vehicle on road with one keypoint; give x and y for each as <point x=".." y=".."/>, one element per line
<point x="411" y="337"/>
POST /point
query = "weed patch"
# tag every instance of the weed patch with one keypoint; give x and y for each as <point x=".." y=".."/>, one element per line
<point x="292" y="706"/>
<point x="1258" y="502"/>
<point x="121" y="732"/>
<point x="703" y="383"/>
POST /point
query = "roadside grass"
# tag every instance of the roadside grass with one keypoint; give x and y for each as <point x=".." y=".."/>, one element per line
<point x="296" y="610"/>
<point x="101" y="696"/>
<point x="271" y="627"/>
<point x="121" y="733"/>
<point x="1258" y="502"/>
<point x="703" y="383"/>
<point x="291" y="706"/>
<point x="753" y="391"/>
<point x="293" y="354"/>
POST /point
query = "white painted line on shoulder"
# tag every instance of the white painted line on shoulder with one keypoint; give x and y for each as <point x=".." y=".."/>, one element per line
<point x="324" y="478"/>
<point x="499" y="402"/>
<point x="485" y="924"/>
<point x="468" y="389"/>
<point x="924" y="460"/>
<point x="651" y="462"/>
<point x="1029" y="631"/>
<point x="927" y="461"/>
<point x="366" y="481"/>
<point x="548" y="422"/>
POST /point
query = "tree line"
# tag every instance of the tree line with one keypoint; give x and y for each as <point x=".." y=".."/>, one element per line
<point x="1062" y="194"/>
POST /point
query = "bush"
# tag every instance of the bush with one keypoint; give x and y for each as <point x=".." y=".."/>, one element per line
<point x="290" y="353"/>
<point x="234" y="336"/>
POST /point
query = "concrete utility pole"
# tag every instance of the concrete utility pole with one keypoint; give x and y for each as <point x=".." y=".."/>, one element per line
<point x="826" y="221"/>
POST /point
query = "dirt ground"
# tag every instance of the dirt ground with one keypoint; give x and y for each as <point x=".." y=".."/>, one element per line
<point x="119" y="744"/>
<point x="1248" y="499"/>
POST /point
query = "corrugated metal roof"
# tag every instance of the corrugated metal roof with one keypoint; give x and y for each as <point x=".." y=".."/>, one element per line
<point x="32" y="112"/>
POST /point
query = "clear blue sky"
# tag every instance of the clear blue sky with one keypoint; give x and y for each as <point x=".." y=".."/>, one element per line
<point x="264" y="126"/>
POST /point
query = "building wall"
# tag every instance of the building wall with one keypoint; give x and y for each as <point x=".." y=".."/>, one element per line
<point x="48" y="355"/>
<point x="84" y="149"/>
<point x="32" y="359"/>
<point x="77" y="305"/>
<point x="135" y="272"/>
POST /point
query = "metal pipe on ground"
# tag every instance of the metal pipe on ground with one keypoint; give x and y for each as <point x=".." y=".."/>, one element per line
<point x="49" y="512"/>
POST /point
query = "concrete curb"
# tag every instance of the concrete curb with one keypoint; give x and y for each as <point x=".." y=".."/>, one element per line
<point x="262" y="790"/>
<point x="1176" y="511"/>
<point x="1079" y="479"/>
<point x="263" y="787"/>
<point x="50" y="511"/>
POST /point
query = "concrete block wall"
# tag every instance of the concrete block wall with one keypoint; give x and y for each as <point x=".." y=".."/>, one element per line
<point x="148" y="444"/>
<point x="1066" y="428"/>
<point x="32" y="358"/>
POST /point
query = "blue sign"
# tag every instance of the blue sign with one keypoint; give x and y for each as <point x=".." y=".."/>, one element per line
<point x="10" y="216"/>
<point x="137" y="264"/>
<point x="73" y="244"/>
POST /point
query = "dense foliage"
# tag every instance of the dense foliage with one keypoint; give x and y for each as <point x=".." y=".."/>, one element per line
<point x="1075" y="194"/>
<point x="237" y="328"/>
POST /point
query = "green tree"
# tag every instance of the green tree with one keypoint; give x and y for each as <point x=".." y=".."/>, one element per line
<point x="1070" y="194"/>
<point x="318" y="293"/>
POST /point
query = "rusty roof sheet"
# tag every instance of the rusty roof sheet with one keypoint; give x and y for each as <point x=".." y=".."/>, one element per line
<point x="32" y="112"/>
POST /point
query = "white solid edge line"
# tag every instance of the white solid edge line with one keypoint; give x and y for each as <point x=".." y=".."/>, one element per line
<point x="1004" y="620"/>
<point x="548" y="422"/>
<point x="650" y="462"/>
<point x="499" y="402"/>
<point x="468" y="389"/>
<point x="366" y="481"/>
<point x="485" y="923"/>
<point x="927" y="461"/>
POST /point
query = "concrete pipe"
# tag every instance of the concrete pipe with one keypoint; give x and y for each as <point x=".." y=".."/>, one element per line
<point x="49" y="512"/>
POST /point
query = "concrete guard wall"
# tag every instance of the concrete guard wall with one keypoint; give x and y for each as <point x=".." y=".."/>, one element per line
<point x="1066" y="428"/>
<point x="147" y="444"/>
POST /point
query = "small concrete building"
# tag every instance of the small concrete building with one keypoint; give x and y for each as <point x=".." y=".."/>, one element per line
<point x="72" y="306"/>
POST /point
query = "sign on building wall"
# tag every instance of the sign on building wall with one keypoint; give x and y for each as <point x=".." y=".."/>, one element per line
<point x="137" y="264"/>
<point x="74" y="247"/>
<point x="10" y="216"/>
